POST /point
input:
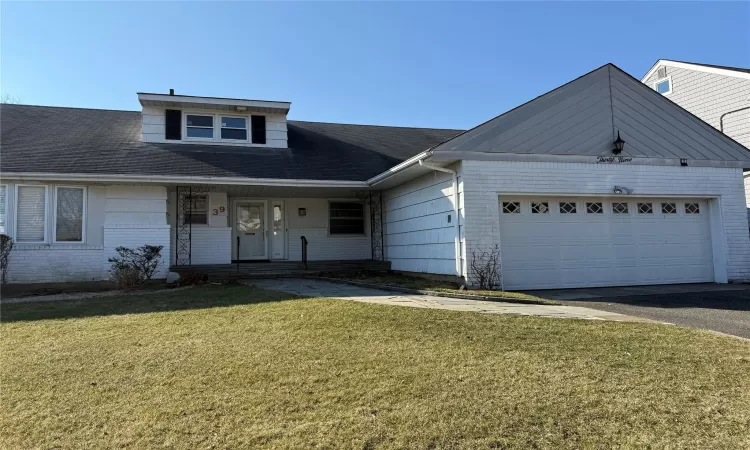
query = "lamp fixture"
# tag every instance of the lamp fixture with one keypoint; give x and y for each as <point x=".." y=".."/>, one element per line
<point x="618" y="145"/>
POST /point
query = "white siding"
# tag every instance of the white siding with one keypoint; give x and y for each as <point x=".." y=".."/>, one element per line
<point x="153" y="128"/>
<point x="314" y="226"/>
<point x="708" y="96"/>
<point x="418" y="236"/>
<point x="484" y="181"/>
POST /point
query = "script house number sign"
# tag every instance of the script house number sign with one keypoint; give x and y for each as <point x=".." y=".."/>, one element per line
<point x="613" y="159"/>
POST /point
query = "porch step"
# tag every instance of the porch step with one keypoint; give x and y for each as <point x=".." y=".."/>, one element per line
<point x="280" y="269"/>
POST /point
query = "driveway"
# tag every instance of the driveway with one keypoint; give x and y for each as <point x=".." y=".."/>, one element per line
<point x="710" y="307"/>
<point x="320" y="288"/>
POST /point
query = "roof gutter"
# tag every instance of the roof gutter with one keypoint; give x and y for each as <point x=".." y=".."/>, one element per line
<point x="398" y="168"/>
<point x="108" y="178"/>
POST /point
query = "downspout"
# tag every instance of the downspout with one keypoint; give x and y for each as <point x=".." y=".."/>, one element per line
<point x="455" y="210"/>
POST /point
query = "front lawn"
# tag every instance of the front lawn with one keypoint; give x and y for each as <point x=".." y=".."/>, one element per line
<point x="236" y="367"/>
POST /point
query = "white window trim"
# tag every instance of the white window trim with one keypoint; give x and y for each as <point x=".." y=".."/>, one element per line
<point x="7" y="213"/>
<point x="217" y="127"/>
<point x="661" y="80"/>
<point x="232" y="116"/>
<point x="208" y="210"/>
<point x="83" y="219"/>
<point x="185" y="126"/>
<point x="347" y="235"/>
<point x="45" y="240"/>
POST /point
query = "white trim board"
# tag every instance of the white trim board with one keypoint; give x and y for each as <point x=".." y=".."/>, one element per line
<point x="698" y="67"/>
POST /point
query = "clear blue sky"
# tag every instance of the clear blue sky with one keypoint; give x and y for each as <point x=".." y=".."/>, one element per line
<point x="443" y="65"/>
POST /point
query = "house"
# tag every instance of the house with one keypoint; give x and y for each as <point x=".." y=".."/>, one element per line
<point x="718" y="95"/>
<point x="602" y="181"/>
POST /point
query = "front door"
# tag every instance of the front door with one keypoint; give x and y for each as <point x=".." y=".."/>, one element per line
<point x="250" y="230"/>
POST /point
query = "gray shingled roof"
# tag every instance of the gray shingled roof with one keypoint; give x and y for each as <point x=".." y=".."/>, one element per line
<point x="91" y="141"/>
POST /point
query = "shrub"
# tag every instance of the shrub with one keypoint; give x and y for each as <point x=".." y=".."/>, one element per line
<point x="143" y="261"/>
<point x="6" y="245"/>
<point x="485" y="267"/>
<point x="126" y="278"/>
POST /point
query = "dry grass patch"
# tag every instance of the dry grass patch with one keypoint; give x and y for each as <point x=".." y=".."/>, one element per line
<point x="237" y="367"/>
<point x="424" y="284"/>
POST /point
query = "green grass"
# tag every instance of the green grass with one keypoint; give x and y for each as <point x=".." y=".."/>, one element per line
<point x="236" y="367"/>
<point x="393" y="279"/>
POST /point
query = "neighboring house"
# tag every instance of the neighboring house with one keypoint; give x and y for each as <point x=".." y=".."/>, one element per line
<point x="719" y="95"/>
<point x="220" y="180"/>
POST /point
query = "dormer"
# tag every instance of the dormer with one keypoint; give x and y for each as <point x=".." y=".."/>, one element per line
<point x="186" y="119"/>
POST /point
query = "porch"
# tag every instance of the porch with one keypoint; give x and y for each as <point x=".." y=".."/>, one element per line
<point x="278" y="269"/>
<point x="274" y="230"/>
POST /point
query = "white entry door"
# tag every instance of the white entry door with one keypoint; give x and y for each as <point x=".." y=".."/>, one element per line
<point x="550" y="242"/>
<point x="250" y="230"/>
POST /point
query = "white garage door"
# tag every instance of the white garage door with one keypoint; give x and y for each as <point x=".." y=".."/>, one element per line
<point x="550" y="242"/>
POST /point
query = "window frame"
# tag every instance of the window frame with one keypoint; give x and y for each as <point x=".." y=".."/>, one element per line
<point x="364" y="218"/>
<point x="233" y="116"/>
<point x="217" y="127"/>
<point x="83" y="217"/>
<point x="185" y="115"/>
<point x="5" y="225"/>
<point x="45" y="239"/>
<point x="661" y="80"/>
<point x="208" y="211"/>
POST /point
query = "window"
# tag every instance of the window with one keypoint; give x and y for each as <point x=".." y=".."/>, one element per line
<point x="669" y="208"/>
<point x="692" y="208"/>
<point x="567" y="207"/>
<point x="234" y="128"/>
<point x="512" y="207"/>
<point x="31" y="204"/>
<point x="619" y="208"/>
<point x="276" y="219"/>
<point x="645" y="208"/>
<point x="346" y="218"/>
<point x="3" y="207"/>
<point x="198" y="212"/>
<point x="663" y="86"/>
<point x="594" y="208"/>
<point x="539" y="208"/>
<point x="70" y="210"/>
<point x="200" y="126"/>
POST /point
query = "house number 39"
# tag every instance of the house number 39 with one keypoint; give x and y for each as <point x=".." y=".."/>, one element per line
<point x="216" y="211"/>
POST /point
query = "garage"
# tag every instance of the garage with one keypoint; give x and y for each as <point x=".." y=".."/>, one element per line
<point x="559" y="242"/>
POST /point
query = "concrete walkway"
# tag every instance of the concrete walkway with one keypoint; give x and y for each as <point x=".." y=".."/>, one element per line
<point x="320" y="288"/>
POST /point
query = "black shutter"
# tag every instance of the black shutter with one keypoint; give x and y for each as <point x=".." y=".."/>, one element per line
<point x="259" y="129"/>
<point x="173" y="124"/>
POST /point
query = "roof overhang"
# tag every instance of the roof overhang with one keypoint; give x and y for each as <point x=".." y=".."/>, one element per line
<point x="213" y="103"/>
<point x="408" y="170"/>
<point x="698" y="67"/>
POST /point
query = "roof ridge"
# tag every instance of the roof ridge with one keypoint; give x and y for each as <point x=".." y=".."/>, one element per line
<point x="378" y="126"/>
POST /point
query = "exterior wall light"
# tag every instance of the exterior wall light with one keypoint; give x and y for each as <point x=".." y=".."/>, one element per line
<point x="618" y="145"/>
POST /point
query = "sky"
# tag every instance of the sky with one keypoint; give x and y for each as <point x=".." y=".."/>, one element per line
<point x="437" y="65"/>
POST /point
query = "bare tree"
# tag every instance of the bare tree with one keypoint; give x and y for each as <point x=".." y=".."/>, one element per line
<point x="10" y="99"/>
<point x="485" y="267"/>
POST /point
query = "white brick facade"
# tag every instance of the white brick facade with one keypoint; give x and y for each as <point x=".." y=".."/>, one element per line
<point x="117" y="215"/>
<point x="485" y="181"/>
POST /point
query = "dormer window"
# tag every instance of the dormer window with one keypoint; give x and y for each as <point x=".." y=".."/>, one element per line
<point x="234" y="128"/>
<point x="201" y="127"/>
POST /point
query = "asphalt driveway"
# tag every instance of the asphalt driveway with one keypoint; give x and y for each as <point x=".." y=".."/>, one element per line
<point x="726" y="311"/>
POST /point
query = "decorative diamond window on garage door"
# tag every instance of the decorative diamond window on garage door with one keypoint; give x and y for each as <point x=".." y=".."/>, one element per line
<point x="614" y="243"/>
